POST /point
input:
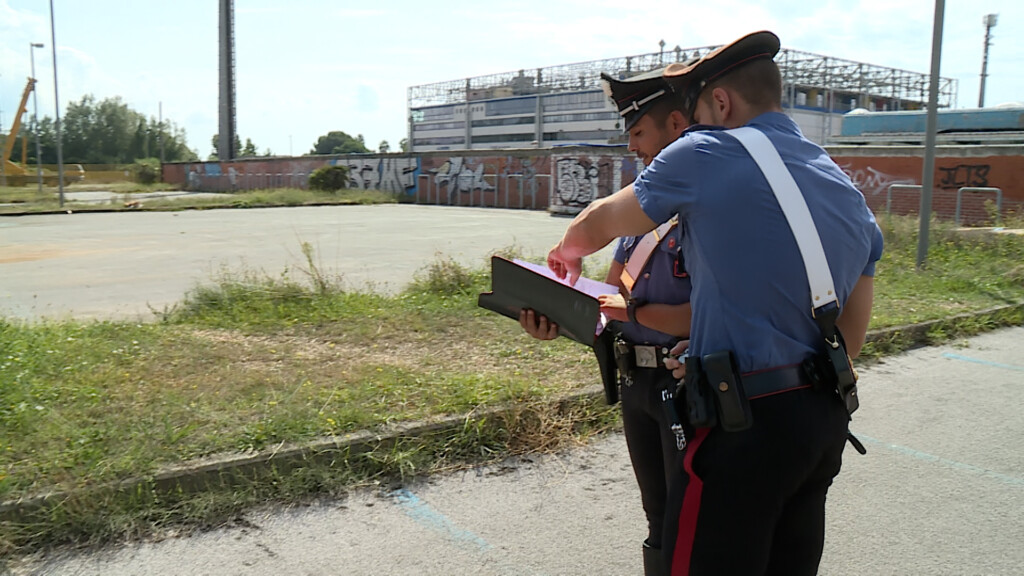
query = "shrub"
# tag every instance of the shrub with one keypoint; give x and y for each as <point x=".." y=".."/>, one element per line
<point x="329" y="178"/>
<point x="146" y="170"/>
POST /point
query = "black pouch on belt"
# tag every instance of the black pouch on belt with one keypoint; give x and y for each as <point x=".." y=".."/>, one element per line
<point x="700" y="406"/>
<point x="723" y="378"/>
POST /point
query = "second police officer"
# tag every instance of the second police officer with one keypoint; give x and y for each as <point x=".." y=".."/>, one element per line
<point x="652" y="311"/>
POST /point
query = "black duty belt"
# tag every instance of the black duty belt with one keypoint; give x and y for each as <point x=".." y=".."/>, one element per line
<point x="775" y="381"/>
<point x="629" y="356"/>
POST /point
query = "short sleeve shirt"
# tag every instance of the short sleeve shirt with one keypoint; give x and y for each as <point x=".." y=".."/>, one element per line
<point x="750" y="291"/>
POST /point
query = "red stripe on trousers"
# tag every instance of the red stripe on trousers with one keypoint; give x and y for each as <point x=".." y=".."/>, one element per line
<point x="687" y="526"/>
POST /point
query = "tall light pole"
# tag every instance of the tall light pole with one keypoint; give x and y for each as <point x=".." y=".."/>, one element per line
<point x="56" y="98"/>
<point x="35" y="116"/>
<point x="989" y="21"/>
<point x="931" y="126"/>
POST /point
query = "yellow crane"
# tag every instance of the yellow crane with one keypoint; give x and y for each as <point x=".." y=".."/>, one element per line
<point x="10" y="169"/>
<point x="12" y="174"/>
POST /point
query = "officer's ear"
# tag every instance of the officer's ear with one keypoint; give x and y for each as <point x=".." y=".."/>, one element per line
<point x="717" y="105"/>
<point x="676" y="122"/>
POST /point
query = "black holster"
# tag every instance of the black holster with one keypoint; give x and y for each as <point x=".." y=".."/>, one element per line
<point x="694" y="398"/>
<point x="835" y="364"/>
<point x="714" y="393"/>
<point x="604" y="349"/>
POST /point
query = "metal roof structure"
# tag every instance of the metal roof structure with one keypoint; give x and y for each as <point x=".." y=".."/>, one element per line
<point x="799" y="69"/>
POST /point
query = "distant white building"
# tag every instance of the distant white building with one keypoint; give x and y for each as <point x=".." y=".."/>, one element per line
<point x="559" y="105"/>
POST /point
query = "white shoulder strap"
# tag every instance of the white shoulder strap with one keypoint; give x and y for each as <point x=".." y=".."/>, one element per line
<point x="788" y="194"/>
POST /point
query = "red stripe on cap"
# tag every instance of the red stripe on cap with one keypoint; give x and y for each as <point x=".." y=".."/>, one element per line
<point x="687" y="527"/>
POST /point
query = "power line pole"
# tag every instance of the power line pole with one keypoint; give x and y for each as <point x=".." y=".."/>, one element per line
<point x="35" y="117"/>
<point x="56" y="98"/>
<point x="160" y="134"/>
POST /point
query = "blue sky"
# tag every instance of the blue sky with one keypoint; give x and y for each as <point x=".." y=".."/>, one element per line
<point x="310" y="66"/>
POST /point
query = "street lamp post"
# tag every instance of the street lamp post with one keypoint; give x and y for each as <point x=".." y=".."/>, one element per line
<point x="56" y="98"/>
<point x="989" y="21"/>
<point x="35" y="116"/>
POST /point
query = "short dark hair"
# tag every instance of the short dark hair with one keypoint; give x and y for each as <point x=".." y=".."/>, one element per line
<point x="665" y="105"/>
<point x="759" y="83"/>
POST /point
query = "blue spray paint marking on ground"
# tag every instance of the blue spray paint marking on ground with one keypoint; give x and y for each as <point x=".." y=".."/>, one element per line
<point x="422" y="513"/>
<point x="985" y="362"/>
<point x="1004" y="478"/>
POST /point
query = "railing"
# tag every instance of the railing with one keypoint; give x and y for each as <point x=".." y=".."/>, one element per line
<point x="898" y="188"/>
<point x="973" y="189"/>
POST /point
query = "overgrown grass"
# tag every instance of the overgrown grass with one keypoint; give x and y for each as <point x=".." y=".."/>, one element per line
<point x="963" y="272"/>
<point x="252" y="362"/>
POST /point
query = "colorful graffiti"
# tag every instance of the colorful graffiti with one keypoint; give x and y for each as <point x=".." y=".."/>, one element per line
<point x="390" y="174"/>
<point x="566" y="180"/>
<point x="456" y="176"/>
<point x="575" y="182"/>
<point x="869" y="180"/>
<point x="579" y="180"/>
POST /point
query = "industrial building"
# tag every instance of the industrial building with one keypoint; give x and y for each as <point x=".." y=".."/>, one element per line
<point x="561" y="105"/>
<point x="1002" y="124"/>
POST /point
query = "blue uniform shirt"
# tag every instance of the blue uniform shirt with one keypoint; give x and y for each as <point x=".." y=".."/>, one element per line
<point x="750" y="290"/>
<point x="663" y="281"/>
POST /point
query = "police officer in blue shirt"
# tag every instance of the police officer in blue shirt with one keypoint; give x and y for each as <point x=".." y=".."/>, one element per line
<point x="652" y="312"/>
<point x="773" y="380"/>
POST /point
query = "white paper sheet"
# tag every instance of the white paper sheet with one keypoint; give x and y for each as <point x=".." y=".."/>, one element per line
<point x="583" y="284"/>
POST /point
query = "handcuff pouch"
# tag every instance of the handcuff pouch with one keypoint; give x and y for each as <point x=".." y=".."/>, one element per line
<point x="722" y="375"/>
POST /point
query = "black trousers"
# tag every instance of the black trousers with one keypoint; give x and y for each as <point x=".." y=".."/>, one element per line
<point x="753" y="502"/>
<point x="651" y="443"/>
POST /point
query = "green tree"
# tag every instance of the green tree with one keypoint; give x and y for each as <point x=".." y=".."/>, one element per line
<point x="249" y="149"/>
<point x="384" y="147"/>
<point x="403" y="144"/>
<point x="338" y="142"/>
<point x="110" y="132"/>
<point x="215" y="142"/>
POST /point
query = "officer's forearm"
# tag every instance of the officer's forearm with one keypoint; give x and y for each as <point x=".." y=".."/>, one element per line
<point x="604" y="220"/>
<point x="671" y="319"/>
<point x="856" y="314"/>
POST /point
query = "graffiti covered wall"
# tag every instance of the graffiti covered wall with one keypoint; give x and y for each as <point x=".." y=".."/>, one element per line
<point x="875" y="173"/>
<point x="565" y="180"/>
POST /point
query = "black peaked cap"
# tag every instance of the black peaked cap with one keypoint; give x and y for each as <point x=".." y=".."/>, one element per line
<point x="690" y="79"/>
<point x="635" y="96"/>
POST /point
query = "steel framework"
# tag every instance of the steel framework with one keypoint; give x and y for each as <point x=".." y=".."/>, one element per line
<point x="800" y="70"/>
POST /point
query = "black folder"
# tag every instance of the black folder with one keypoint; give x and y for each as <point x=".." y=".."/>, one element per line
<point x="514" y="287"/>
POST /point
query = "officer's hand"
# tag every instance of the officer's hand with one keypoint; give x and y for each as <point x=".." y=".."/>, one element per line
<point x="564" y="265"/>
<point x="613" y="306"/>
<point x="537" y="325"/>
<point x="678" y="368"/>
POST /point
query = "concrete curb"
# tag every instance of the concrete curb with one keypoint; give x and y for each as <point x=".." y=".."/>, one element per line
<point x="196" y="476"/>
<point x="235" y="469"/>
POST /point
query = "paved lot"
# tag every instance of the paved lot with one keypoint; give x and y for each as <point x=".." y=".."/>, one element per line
<point x="120" y="265"/>
<point x="940" y="492"/>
